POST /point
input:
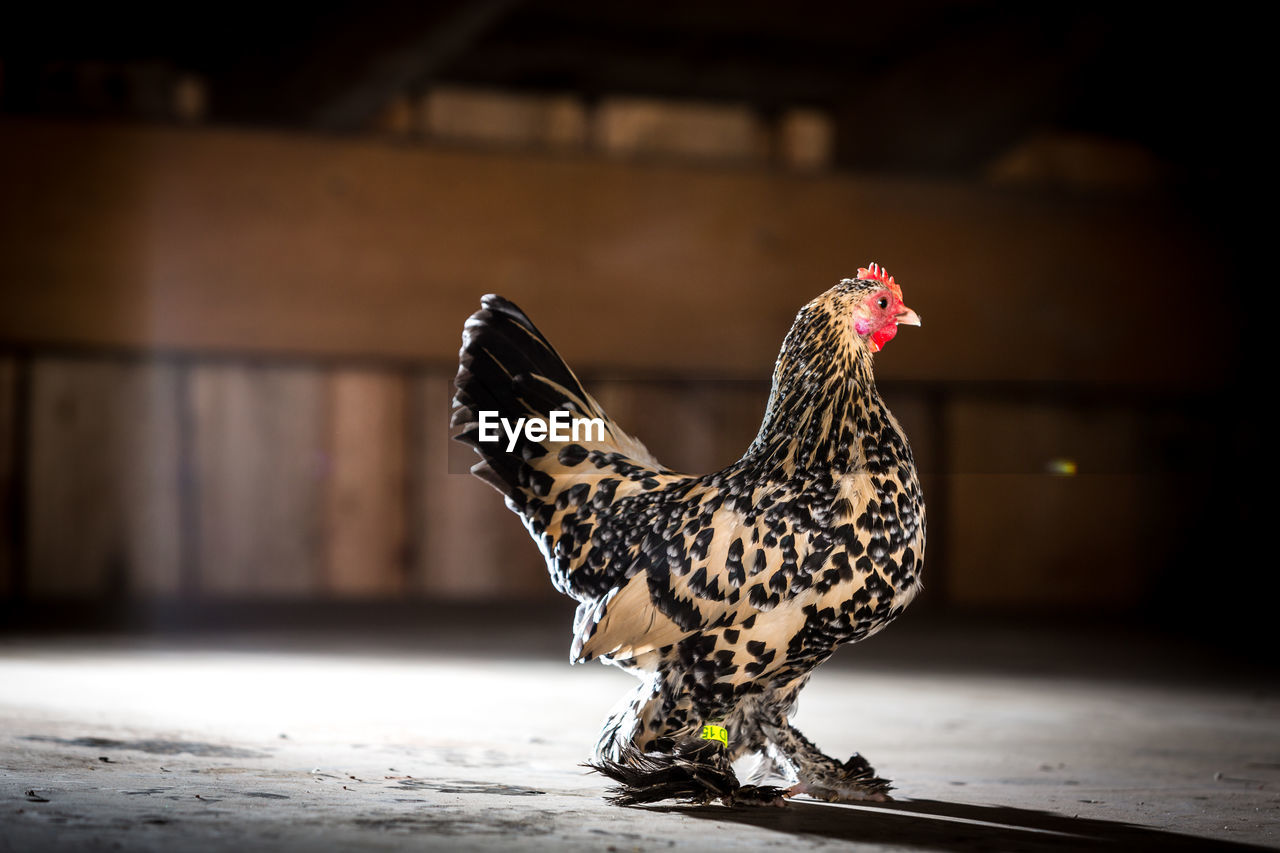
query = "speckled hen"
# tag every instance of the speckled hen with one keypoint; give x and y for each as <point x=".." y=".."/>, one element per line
<point x="720" y="592"/>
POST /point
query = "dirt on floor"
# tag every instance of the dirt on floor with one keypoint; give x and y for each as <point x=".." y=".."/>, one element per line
<point x="156" y="745"/>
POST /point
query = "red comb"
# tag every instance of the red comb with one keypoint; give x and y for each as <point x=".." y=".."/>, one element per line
<point x="875" y="272"/>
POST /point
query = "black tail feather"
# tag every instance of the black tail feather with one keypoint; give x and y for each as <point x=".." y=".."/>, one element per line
<point x="507" y="366"/>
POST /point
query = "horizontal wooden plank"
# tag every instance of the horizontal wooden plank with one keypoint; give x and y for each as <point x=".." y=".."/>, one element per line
<point x="269" y="243"/>
<point x="493" y="117"/>
<point x="649" y="127"/>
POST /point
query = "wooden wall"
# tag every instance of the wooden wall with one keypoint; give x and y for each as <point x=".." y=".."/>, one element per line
<point x="233" y="479"/>
<point x="223" y="479"/>
<point x="225" y="356"/>
<point x="9" y="499"/>
<point x="182" y="477"/>
<point x="216" y="240"/>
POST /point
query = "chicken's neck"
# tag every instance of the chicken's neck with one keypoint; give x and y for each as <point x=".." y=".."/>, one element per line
<point x="821" y="408"/>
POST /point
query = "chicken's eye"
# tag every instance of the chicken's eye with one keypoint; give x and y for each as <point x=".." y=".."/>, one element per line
<point x="882" y="302"/>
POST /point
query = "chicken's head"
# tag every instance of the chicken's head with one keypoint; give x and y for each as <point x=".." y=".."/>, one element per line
<point x="878" y="313"/>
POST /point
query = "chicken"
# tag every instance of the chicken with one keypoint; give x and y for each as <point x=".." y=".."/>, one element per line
<point x="721" y="592"/>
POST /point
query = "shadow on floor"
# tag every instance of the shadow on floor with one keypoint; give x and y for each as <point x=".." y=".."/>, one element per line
<point x="960" y="827"/>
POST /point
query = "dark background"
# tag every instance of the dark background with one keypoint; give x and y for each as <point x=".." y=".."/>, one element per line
<point x="238" y="243"/>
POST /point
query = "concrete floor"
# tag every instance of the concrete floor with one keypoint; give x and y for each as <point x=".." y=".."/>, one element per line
<point x="338" y="741"/>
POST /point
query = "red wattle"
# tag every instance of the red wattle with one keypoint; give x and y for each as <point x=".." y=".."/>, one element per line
<point x="883" y="335"/>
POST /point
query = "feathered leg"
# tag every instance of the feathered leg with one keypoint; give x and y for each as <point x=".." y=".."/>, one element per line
<point x="651" y="765"/>
<point x="823" y="777"/>
<point x="770" y="767"/>
<point x="687" y="769"/>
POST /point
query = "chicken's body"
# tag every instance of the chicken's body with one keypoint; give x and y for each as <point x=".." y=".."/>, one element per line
<point x="721" y="592"/>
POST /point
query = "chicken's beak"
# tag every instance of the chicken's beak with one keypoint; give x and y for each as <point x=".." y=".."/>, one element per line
<point x="907" y="317"/>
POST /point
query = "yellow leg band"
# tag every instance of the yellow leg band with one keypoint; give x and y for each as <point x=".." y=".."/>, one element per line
<point x="713" y="732"/>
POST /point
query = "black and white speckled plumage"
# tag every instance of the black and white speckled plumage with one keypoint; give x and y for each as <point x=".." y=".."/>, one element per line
<point x="721" y="592"/>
